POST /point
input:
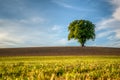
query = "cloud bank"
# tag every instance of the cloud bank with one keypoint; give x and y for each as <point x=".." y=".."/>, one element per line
<point x="109" y="28"/>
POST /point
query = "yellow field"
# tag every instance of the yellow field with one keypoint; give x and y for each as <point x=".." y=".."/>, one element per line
<point x="60" y="68"/>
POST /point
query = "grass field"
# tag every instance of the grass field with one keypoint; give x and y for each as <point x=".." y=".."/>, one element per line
<point x="60" y="68"/>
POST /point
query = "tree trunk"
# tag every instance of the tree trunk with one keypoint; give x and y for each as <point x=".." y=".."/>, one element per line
<point x="82" y="45"/>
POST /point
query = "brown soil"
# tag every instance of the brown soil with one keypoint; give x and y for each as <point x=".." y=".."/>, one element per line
<point x="59" y="51"/>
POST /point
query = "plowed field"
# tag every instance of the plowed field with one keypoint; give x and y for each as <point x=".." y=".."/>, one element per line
<point x="59" y="51"/>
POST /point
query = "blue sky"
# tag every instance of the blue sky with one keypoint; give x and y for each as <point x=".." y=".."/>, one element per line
<point x="34" y="23"/>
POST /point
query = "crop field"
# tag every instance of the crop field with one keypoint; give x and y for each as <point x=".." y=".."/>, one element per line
<point x="60" y="68"/>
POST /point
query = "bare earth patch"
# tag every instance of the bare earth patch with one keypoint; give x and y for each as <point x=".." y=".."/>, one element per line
<point x="58" y="51"/>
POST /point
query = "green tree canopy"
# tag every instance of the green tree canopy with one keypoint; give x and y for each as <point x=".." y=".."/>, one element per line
<point x="81" y="30"/>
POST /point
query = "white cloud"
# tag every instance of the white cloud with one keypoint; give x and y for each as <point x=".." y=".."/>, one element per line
<point x="114" y="44"/>
<point x="56" y="28"/>
<point x="14" y="33"/>
<point x="62" y="41"/>
<point x="62" y="3"/>
<point x="110" y="27"/>
<point x="104" y="24"/>
<point x="115" y="2"/>
<point x="9" y="40"/>
<point x="65" y="4"/>
<point x="110" y="37"/>
<point x="33" y="20"/>
<point x="117" y="34"/>
<point x="104" y="34"/>
<point x="116" y="14"/>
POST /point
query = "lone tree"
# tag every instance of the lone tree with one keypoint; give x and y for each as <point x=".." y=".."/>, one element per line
<point x="81" y="30"/>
